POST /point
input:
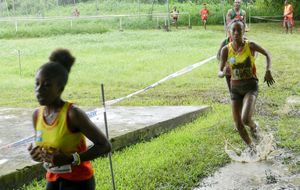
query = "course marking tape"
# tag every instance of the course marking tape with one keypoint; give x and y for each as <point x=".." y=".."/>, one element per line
<point x="176" y="74"/>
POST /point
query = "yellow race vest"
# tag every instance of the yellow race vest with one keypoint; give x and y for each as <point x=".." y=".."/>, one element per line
<point x="241" y="64"/>
<point x="57" y="135"/>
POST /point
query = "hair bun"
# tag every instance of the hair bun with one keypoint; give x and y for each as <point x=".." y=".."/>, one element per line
<point x="63" y="57"/>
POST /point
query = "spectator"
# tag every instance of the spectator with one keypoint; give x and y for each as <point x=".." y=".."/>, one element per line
<point x="76" y="12"/>
<point x="204" y="15"/>
<point x="236" y="13"/>
<point x="174" y="16"/>
<point x="288" y="21"/>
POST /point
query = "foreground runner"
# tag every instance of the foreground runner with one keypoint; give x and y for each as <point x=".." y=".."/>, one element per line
<point x="60" y="129"/>
<point x="244" y="83"/>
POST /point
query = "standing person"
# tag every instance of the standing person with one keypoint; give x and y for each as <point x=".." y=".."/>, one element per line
<point x="61" y="129"/>
<point x="288" y="21"/>
<point x="204" y="15"/>
<point x="244" y="83"/>
<point x="236" y="13"/>
<point x="174" y="16"/>
<point x="76" y="12"/>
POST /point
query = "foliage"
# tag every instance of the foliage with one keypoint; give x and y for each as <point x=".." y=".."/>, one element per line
<point x="59" y="7"/>
<point x="31" y="29"/>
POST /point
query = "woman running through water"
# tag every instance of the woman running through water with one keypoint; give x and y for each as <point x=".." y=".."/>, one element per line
<point x="61" y="129"/>
<point x="244" y="83"/>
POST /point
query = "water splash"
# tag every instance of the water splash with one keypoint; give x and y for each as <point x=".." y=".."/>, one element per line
<point x="264" y="170"/>
<point x="261" y="152"/>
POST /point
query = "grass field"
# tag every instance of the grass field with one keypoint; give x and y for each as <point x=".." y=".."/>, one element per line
<point x="128" y="61"/>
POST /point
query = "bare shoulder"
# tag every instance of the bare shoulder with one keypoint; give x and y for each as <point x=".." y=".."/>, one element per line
<point x="35" y="115"/>
<point x="35" y="112"/>
<point x="252" y="44"/>
<point x="224" y="49"/>
<point x="75" y="112"/>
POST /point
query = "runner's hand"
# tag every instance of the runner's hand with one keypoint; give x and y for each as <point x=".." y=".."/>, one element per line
<point x="56" y="157"/>
<point x="221" y="74"/>
<point x="35" y="153"/>
<point x="268" y="78"/>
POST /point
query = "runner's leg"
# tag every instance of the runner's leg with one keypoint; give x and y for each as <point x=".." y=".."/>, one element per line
<point x="237" y="106"/>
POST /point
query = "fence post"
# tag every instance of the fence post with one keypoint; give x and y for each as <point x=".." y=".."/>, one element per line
<point x="249" y="16"/>
<point x="166" y="26"/>
<point x="97" y="6"/>
<point x="16" y="25"/>
<point x="20" y="66"/>
<point x="71" y="23"/>
<point x="121" y="29"/>
<point x="190" y="26"/>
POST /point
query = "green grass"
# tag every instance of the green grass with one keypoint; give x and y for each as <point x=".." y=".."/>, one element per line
<point x="128" y="61"/>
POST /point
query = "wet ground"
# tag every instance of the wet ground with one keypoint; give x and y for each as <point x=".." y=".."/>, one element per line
<point x="246" y="172"/>
<point x="268" y="172"/>
<point x="264" y="175"/>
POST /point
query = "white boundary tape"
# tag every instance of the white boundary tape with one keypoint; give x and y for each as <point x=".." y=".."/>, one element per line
<point x="94" y="113"/>
<point x="176" y="74"/>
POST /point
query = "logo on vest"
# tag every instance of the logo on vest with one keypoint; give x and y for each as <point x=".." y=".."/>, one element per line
<point x="232" y="60"/>
<point x="38" y="137"/>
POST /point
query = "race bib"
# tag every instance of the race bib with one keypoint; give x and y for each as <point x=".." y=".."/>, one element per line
<point x="57" y="169"/>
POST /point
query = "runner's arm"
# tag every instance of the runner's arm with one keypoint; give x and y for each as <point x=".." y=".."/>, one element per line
<point x="268" y="78"/>
<point x="255" y="47"/>
<point x="224" y="56"/>
<point x="81" y="122"/>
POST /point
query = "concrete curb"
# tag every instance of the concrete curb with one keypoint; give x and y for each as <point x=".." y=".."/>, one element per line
<point x="17" y="179"/>
<point x="155" y="130"/>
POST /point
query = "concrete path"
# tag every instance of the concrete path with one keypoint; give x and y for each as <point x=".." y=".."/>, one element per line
<point x="127" y="125"/>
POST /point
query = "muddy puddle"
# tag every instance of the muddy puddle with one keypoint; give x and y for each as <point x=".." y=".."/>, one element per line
<point x="263" y="170"/>
<point x="269" y="168"/>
